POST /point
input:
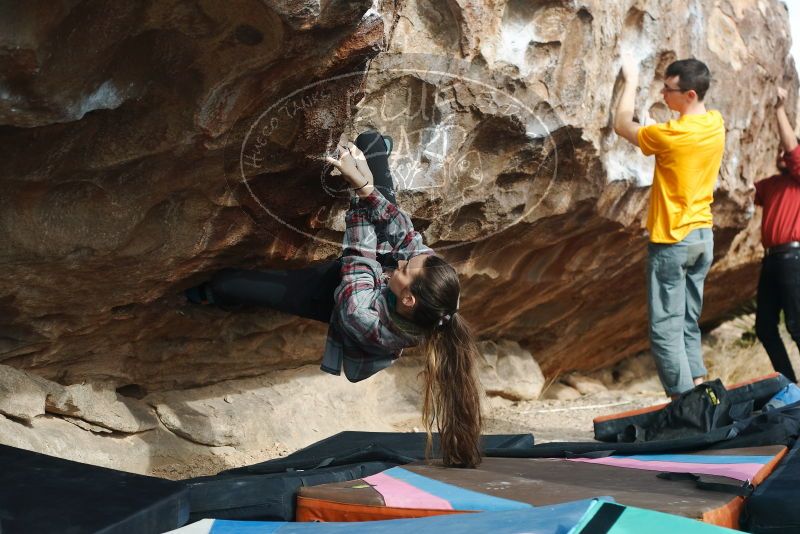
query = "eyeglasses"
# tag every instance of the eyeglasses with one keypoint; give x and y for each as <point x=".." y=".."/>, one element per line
<point x="668" y="89"/>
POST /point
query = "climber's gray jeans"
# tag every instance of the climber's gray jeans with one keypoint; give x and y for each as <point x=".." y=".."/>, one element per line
<point x="675" y="276"/>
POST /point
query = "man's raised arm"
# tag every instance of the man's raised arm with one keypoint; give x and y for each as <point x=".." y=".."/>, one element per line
<point x="624" y="125"/>
<point x="788" y="139"/>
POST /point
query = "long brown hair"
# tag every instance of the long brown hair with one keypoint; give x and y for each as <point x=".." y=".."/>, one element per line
<point x="452" y="397"/>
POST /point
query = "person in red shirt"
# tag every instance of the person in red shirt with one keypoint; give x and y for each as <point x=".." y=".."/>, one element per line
<point x="779" y="283"/>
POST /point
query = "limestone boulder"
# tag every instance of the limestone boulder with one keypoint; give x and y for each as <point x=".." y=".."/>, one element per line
<point x="80" y="423"/>
<point x="146" y="146"/>
<point x="146" y="103"/>
<point x="585" y="385"/>
<point x="297" y="405"/>
<point x="507" y="370"/>
<point x="21" y="395"/>
<point x="561" y="391"/>
<point x="101" y="405"/>
<point x="267" y="417"/>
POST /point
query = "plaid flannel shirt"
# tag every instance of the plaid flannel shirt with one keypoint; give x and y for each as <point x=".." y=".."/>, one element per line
<point x="362" y="337"/>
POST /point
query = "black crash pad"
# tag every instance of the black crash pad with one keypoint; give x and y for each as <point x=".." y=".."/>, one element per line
<point x="43" y="494"/>
<point x="402" y="447"/>
<point x="773" y="507"/>
<point x="266" y="491"/>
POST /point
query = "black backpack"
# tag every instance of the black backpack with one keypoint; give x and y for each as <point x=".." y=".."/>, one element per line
<point x="697" y="411"/>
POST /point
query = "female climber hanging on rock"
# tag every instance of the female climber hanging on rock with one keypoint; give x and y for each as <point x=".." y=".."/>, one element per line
<point x="375" y="313"/>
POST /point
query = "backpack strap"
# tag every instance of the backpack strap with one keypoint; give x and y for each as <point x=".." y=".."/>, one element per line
<point x="741" y="489"/>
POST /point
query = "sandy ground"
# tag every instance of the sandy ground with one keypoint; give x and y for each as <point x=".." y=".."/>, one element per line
<point x="731" y="354"/>
<point x="559" y="420"/>
<point x="547" y="420"/>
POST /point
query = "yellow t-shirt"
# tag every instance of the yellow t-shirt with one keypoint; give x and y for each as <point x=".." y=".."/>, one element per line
<point x="688" y="156"/>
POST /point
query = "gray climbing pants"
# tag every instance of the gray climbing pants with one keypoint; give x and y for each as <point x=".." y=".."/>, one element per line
<point x="675" y="276"/>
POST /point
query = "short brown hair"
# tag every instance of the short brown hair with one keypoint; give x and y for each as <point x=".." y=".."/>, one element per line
<point x="693" y="75"/>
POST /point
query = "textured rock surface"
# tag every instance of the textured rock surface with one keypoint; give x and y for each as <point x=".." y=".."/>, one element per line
<point x="116" y="195"/>
<point x="205" y="430"/>
<point x="99" y="404"/>
<point x="584" y="384"/>
<point x="114" y="126"/>
<point x="559" y="391"/>
<point x="509" y="371"/>
<point x="293" y="404"/>
<point x="20" y="397"/>
<point x="140" y="156"/>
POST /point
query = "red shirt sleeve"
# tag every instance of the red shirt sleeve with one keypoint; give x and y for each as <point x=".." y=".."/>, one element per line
<point x="759" y="201"/>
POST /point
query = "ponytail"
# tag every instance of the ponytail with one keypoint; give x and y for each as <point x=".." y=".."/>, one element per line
<point x="451" y="394"/>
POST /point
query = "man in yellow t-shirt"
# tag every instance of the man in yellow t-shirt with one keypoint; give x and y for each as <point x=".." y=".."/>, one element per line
<point x="688" y="153"/>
